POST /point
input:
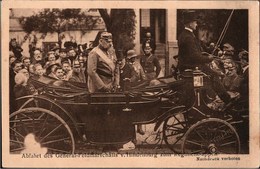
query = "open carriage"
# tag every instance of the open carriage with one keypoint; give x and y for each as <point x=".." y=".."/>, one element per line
<point x="63" y="112"/>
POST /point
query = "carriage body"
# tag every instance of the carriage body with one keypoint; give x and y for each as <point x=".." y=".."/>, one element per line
<point x="109" y="118"/>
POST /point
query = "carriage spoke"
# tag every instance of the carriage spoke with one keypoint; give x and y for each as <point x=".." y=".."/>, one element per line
<point x="42" y="128"/>
<point x="51" y="131"/>
<point x="228" y="143"/>
<point x="199" y="135"/>
<point x="48" y="128"/>
<point x="15" y="141"/>
<point x="40" y="116"/>
<point x="17" y="132"/>
<point x="17" y="149"/>
<point x="53" y="141"/>
<point x="195" y="143"/>
<point x="51" y="107"/>
<point x="26" y="116"/>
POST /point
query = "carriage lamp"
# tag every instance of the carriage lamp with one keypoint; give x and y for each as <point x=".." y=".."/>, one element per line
<point x="197" y="78"/>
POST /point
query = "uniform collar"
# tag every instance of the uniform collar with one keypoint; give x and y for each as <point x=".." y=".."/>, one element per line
<point x="189" y="29"/>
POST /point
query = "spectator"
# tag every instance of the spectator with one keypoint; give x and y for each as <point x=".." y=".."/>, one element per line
<point x="56" y="50"/>
<point x="243" y="56"/>
<point x="66" y="66"/>
<point x="59" y="73"/>
<point x="72" y="43"/>
<point x="51" y="59"/>
<point x="31" y="69"/>
<point x="12" y="58"/>
<point x="22" y="88"/>
<point x="232" y="81"/>
<point x="71" y="54"/>
<point x="38" y="70"/>
<point x="77" y="73"/>
<point x="15" y="48"/>
<point x="62" y="56"/>
<point x="26" y="62"/>
<point x="150" y="64"/>
<point x="37" y="57"/>
<point x="174" y="69"/>
<point x="148" y="41"/>
<point x="50" y="70"/>
<point x="16" y="66"/>
<point x="25" y="72"/>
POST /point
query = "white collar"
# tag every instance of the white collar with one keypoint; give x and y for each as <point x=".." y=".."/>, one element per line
<point x="189" y="29"/>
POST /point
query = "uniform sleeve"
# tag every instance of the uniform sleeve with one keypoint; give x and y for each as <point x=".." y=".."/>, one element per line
<point x="92" y="68"/>
<point x="142" y="74"/>
<point x="134" y="75"/>
<point x="157" y="65"/>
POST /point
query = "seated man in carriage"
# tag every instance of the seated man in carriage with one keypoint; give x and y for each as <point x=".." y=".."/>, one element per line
<point x="127" y="74"/>
<point x="190" y="56"/>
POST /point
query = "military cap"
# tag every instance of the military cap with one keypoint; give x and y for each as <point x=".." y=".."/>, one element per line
<point x="107" y="36"/>
<point x="131" y="54"/>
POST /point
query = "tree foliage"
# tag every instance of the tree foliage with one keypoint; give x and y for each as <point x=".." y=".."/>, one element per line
<point x="58" y="20"/>
<point x="122" y="24"/>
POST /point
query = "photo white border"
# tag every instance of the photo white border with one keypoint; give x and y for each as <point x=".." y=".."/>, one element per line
<point x="247" y="161"/>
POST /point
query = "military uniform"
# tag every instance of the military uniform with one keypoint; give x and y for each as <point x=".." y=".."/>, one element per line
<point x="102" y="70"/>
<point x="151" y="66"/>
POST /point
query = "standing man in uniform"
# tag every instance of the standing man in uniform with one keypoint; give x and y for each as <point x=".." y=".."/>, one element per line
<point x="103" y="72"/>
<point x="148" y="41"/>
<point x="190" y="55"/>
<point x="150" y="64"/>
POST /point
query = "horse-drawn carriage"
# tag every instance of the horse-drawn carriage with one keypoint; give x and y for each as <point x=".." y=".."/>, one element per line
<point x="62" y="112"/>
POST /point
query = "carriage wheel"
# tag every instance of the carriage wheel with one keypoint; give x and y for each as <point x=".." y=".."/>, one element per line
<point x="211" y="136"/>
<point x="174" y="129"/>
<point x="41" y="128"/>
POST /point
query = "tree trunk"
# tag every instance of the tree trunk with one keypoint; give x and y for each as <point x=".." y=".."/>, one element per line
<point x="106" y="18"/>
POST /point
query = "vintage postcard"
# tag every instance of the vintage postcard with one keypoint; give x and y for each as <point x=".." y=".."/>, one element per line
<point x="135" y="84"/>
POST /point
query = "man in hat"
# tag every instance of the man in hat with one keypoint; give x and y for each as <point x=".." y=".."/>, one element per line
<point x="131" y="60"/>
<point x="103" y="72"/>
<point x="150" y="64"/>
<point x="127" y="74"/>
<point x="190" y="55"/>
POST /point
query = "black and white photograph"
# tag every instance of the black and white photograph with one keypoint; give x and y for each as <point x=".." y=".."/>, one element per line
<point x="130" y="82"/>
